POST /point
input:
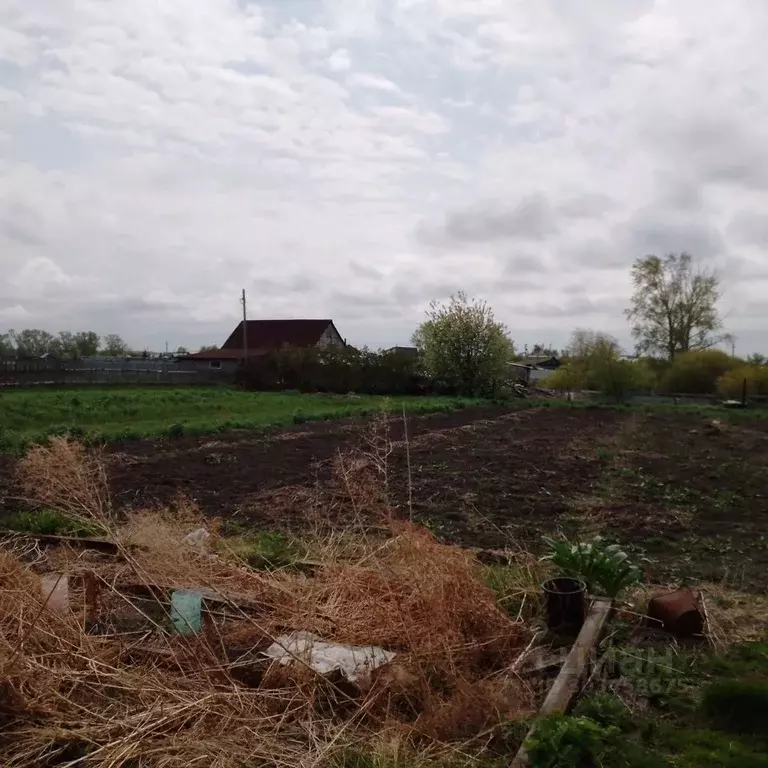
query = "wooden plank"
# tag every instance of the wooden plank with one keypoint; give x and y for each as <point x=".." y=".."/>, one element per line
<point x="567" y="682"/>
<point x="76" y="542"/>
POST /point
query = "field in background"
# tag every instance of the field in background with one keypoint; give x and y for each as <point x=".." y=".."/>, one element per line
<point x="683" y="487"/>
<point x="327" y="501"/>
<point x="124" y="413"/>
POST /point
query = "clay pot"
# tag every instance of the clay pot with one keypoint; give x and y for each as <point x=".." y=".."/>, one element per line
<point x="566" y="604"/>
<point x="677" y="612"/>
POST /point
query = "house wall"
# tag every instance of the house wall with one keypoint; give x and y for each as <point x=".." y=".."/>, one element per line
<point x="539" y="374"/>
<point x="225" y="366"/>
<point x="330" y="337"/>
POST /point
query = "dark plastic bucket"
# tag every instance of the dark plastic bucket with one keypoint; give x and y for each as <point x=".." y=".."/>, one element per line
<point x="566" y="604"/>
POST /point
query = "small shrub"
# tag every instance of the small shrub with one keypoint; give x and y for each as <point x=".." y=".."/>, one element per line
<point x="739" y="706"/>
<point x="606" y="710"/>
<point x="300" y="417"/>
<point x="603" y="567"/>
<point x="569" y="742"/>
<point x="731" y="384"/>
<point x="175" y="431"/>
<point x="697" y="372"/>
<point x="579" y="742"/>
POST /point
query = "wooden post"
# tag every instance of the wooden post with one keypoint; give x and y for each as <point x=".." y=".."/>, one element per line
<point x="571" y="674"/>
<point x="245" y="332"/>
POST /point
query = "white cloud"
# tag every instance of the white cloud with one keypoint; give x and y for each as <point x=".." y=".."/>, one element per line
<point x="14" y="314"/>
<point x="357" y="158"/>
<point x="339" y="60"/>
<point x="372" y="82"/>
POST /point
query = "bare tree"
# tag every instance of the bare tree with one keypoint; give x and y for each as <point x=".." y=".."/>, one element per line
<point x="674" y="306"/>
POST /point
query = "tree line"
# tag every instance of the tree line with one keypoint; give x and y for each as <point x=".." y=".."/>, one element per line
<point x="33" y="342"/>
<point x="674" y="320"/>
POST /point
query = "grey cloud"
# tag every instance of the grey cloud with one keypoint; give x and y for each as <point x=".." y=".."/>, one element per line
<point x="658" y="231"/>
<point x="590" y="205"/>
<point x="575" y="307"/>
<point x="531" y="219"/>
<point x="598" y="253"/>
<point x="524" y="263"/>
<point x="20" y="234"/>
<point x="750" y="228"/>
<point x="364" y="271"/>
<point x="754" y="309"/>
<point x="717" y="149"/>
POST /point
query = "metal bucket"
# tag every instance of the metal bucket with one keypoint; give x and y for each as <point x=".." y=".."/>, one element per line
<point x="677" y="612"/>
<point x="566" y="604"/>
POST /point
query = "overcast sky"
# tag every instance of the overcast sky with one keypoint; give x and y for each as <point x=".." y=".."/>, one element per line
<point x="355" y="159"/>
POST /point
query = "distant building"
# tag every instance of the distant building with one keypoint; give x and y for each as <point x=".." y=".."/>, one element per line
<point x="542" y="362"/>
<point x="406" y="351"/>
<point x="535" y="367"/>
<point x="264" y="336"/>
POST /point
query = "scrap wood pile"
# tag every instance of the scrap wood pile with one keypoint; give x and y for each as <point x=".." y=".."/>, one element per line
<point x="100" y="664"/>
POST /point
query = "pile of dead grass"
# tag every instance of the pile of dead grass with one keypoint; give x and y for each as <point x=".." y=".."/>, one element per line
<point x="109" y="684"/>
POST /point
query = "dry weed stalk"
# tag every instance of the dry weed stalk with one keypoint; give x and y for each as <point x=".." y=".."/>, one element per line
<point x="65" y="476"/>
<point x="142" y="696"/>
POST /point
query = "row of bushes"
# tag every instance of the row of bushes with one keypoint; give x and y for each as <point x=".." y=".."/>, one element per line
<point x="599" y="367"/>
<point x="713" y="372"/>
<point x="334" y="370"/>
<point x="701" y="372"/>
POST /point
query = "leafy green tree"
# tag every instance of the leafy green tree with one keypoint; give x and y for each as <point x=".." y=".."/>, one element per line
<point x="540" y="350"/>
<point x="756" y="359"/>
<point x="731" y="384"/>
<point x="463" y="346"/>
<point x="674" y="306"/>
<point x="75" y="345"/>
<point x="697" y="372"/>
<point x="87" y="343"/>
<point x="64" y="345"/>
<point x="209" y="348"/>
<point x="6" y="345"/>
<point x="594" y="361"/>
<point x="114" y="346"/>
<point x="32" y="342"/>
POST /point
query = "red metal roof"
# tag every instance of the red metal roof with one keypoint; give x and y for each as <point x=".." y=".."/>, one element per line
<point x="273" y="334"/>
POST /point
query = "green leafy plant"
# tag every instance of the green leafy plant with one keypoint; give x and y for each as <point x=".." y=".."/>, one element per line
<point x="175" y="430"/>
<point x="567" y="742"/>
<point x="737" y="705"/>
<point x="604" y="567"/>
<point x="561" y="741"/>
<point x="606" y="710"/>
<point x="45" y="521"/>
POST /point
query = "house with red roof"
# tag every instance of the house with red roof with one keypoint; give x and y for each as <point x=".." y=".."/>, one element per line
<point x="253" y="338"/>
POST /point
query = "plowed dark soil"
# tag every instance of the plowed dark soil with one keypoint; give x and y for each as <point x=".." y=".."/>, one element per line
<point x="691" y="496"/>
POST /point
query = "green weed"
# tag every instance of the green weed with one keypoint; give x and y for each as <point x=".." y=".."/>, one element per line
<point x="45" y="522"/>
<point x="561" y="741"/>
<point x="739" y="706"/>
<point x="266" y="550"/>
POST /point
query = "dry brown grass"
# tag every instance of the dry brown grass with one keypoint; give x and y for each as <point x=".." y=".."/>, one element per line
<point x="109" y="684"/>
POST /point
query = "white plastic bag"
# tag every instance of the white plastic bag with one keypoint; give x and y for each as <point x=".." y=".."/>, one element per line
<point x="354" y="661"/>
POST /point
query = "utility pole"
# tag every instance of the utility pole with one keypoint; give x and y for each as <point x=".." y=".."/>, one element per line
<point x="245" y="330"/>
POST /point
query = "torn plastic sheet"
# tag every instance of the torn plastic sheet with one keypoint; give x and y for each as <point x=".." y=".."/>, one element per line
<point x="353" y="661"/>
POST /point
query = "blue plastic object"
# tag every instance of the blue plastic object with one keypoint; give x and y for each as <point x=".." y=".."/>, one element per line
<point x="186" y="605"/>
